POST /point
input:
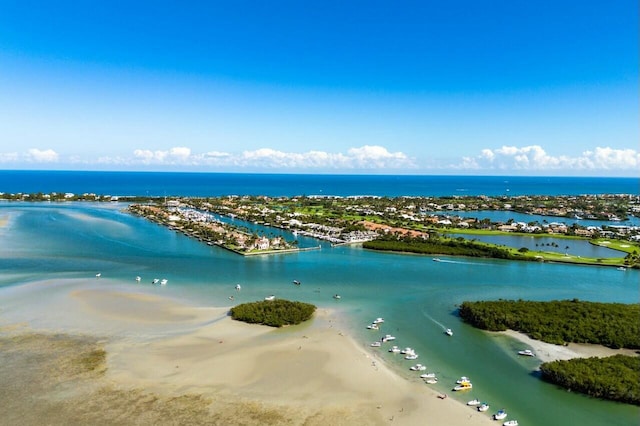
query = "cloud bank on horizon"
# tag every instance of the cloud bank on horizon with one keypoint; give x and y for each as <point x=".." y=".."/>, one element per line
<point x="366" y="158"/>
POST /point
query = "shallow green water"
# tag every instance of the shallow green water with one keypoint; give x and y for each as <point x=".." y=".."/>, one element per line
<point x="416" y="296"/>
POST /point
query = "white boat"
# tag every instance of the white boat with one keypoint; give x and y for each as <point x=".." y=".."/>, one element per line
<point x="418" y="367"/>
<point x="483" y="407"/>
<point x="622" y="268"/>
<point x="407" y="350"/>
<point x="138" y="279"/>
<point x="526" y="352"/>
<point x="270" y="298"/>
<point x="98" y="275"/>
<point x="501" y="414"/>
<point x="388" y="338"/>
<point x="428" y="376"/>
<point x="510" y="423"/>
<point x="435" y="259"/>
<point x="375" y="344"/>
<point x="431" y="381"/>
<point x="378" y="320"/>
<point x="463" y="379"/>
<point x="473" y="402"/>
<point x="463" y="386"/>
<point x="395" y="350"/>
<point x="337" y="296"/>
<point x="163" y="281"/>
<point x="296" y="282"/>
<point x="238" y="287"/>
<point x="373" y="327"/>
<point x="155" y="281"/>
<point x="411" y="357"/>
<point x="448" y="332"/>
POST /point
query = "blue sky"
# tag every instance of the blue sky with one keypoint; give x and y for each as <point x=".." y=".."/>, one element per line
<point x="460" y="87"/>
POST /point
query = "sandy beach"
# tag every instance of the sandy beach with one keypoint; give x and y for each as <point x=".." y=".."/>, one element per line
<point x="178" y="364"/>
<point x="547" y="352"/>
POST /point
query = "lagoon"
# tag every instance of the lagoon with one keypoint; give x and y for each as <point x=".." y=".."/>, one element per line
<point x="573" y="247"/>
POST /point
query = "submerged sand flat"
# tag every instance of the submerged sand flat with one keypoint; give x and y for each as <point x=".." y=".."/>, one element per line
<point x="189" y="365"/>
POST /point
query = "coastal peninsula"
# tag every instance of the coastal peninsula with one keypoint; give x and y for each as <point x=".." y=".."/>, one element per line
<point x="407" y="224"/>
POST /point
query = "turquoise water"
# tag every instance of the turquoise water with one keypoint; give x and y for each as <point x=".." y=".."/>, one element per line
<point x="416" y="296"/>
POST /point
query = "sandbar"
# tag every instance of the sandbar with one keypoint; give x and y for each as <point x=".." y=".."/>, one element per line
<point x="310" y="374"/>
<point x="547" y="352"/>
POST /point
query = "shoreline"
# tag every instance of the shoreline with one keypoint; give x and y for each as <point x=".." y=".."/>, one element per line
<point x="547" y="352"/>
<point x="312" y="373"/>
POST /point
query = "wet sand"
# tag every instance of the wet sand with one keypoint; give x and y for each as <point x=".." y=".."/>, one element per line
<point x="179" y="364"/>
<point x="547" y="352"/>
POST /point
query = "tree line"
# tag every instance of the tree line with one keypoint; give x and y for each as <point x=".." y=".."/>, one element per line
<point x="614" y="378"/>
<point x="615" y="325"/>
<point x="439" y="246"/>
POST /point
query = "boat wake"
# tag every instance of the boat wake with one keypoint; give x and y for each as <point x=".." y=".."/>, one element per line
<point x="461" y="263"/>
<point x="426" y="315"/>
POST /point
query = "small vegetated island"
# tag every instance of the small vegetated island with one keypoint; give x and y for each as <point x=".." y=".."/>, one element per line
<point x="274" y="313"/>
<point x="442" y="246"/>
<point x="614" y="325"/>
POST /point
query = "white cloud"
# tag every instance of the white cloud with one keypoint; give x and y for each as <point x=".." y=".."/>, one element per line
<point x="35" y="155"/>
<point x="365" y="157"/>
<point x="32" y="155"/>
<point x="535" y="158"/>
<point x="9" y="157"/>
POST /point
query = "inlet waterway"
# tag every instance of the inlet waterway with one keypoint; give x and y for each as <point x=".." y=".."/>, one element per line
<point x="416" y="296"/>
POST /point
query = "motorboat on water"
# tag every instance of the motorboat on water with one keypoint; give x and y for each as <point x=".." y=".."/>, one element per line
<point x="375" y="344"/>
<point x="395" y="350"/>
<point x="501" y="414"/>
<point x="296" y="282"/>
<point x="163" y="281"/>
<point x="138" y="279"/>
<point x="448" y="332"/>
<point x="418" y="367"/>
<point x="373" y="326"/>
<point x="431" y="381"/>
<point x="411" y="356"/>
<point x="436" y="259"/>
<point x="407" y="350"/>
<point x="510" y="423"/>
<point x="155" y="281"/>
<point x="388" y="338"/>
<point x="473" y="402"/>
<point x="270" y="298"/>
<point x="428" y="376"/>
<point x="526" y="352"/>
<point x="463" y="386"/>
<point x="483" y="407"/>
<point x="98" y="275"/>
<point x="238" y="287"/>
<point x="622" y="268"/>
<point x="463" y="379"/>
<point x="378" y="320"/>
<point x="337" y="296"/>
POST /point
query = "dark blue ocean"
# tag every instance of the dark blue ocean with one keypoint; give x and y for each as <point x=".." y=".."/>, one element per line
<point x="218" y="184"/>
